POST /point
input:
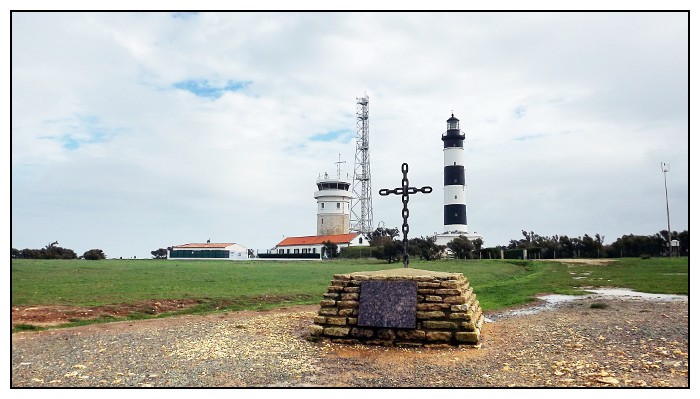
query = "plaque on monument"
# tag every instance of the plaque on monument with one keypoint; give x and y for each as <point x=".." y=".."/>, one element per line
<point x="389" y="304"/>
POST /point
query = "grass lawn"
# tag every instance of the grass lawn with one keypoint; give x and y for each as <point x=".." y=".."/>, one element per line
<point x="268" y="284"/>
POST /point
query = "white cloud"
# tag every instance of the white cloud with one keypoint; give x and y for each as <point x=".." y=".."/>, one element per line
<point x="567" y="116"/>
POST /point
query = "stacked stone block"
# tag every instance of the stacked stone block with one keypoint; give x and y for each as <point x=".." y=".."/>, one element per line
<point x="447" y="311"/>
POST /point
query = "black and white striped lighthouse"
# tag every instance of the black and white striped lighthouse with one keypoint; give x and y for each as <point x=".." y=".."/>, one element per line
<point x="455" y="183"/>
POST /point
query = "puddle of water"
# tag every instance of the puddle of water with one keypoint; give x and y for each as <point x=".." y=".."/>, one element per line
<point x="627" y="293"/>
<point x="552" y="301"/>
<point x="548" y="302"/>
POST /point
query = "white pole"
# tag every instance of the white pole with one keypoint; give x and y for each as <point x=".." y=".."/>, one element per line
<point x="665" y="168"/>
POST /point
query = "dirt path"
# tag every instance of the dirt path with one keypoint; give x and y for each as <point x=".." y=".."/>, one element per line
<point x="623" y="343"/>
<point x="47" y="316"/>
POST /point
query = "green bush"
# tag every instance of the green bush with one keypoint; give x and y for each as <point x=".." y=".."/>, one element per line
<point x="94" y="254"/>
<point x="357" y="252"/>
<point x="290" y="256"/>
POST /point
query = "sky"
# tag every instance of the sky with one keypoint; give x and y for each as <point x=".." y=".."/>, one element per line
<point x="135" y="131"/>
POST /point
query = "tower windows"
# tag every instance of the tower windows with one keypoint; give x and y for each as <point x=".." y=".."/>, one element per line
<point x="323" y="205"/>
<point x="337" y="205"/>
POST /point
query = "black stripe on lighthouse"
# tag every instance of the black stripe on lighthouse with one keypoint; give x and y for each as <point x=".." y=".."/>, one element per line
<point x="454" y="175"/>
<point x="455" y="214"/>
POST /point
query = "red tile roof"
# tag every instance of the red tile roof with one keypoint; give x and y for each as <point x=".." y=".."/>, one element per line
<point x="316" y="240"/>
<point x="205" y="245"/>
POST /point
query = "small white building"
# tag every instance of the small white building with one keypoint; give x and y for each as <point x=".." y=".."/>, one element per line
<point x="314" y="244"/>
<point x="208" y="251"/>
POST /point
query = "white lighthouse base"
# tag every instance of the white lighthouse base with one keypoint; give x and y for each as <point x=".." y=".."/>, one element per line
<point x="444" y="238"/>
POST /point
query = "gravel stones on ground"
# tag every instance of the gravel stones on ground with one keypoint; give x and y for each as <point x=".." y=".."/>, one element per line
<point x="629" y="343"/>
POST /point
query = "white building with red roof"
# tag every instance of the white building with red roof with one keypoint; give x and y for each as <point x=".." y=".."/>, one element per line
<point x="208" y="251"/>
<point x="314" y="244"/>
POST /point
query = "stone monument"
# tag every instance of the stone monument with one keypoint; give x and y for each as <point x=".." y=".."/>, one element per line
<point x="402" y="307"/>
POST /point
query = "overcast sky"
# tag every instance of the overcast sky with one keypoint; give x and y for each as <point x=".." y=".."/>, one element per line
<point x="138" y="131"/>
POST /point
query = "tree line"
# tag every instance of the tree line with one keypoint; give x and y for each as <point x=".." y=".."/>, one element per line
<point x="53" y="251"/>
<point x="546" y="247"/>
<point x="384" y="245"/>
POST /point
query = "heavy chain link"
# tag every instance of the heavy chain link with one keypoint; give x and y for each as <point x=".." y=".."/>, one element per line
<point x="405" y="191"/>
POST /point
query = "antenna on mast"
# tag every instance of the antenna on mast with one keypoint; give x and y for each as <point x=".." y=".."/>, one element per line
<point x="338" y="163"/>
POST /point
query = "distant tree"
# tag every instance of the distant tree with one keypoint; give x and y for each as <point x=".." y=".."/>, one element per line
<point x="684" y="242"/>
<point x="94" y="254"/>
<point x="50" y="251"/>
<point x="15" y="253"/>
<point x="461" y="247"/>
<point x="382" y="235"/>
<point x="599" y="243"/>
<point x="27" y="253"/>
<point x="251" y="253"/>
<point x="631" y="245"/>
<point x="425" y="248"/>
<point x="330" y="249"/>
<point x="160" y="253"/>
<point x="391" y="251"/>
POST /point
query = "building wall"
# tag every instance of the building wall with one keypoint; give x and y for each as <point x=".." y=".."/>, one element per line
<point x="235" y="252"/>
<point x="300" y="249"/>
<point x="333" y="205"/>
<point x="359" y="241"/>
<point x="332" y="224"/>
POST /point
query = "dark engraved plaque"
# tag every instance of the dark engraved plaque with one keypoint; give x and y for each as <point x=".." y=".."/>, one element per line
<point x="390" y="304"/>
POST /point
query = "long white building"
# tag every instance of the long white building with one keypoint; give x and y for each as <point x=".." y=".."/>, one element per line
<point x="314" y="244"/>
<point x="208" y="251"/>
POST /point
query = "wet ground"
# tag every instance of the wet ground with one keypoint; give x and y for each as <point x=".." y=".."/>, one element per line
<point x="635" y="340"/>
<point x="551" y="301"/>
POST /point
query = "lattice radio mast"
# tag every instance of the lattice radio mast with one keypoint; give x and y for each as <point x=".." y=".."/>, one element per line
<point x="361" y="208"/>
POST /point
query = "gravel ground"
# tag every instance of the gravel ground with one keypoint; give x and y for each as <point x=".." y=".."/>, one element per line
<point x="621" y="343"/>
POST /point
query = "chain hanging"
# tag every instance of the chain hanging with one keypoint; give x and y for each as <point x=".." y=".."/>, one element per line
<point x="405" y="191"/>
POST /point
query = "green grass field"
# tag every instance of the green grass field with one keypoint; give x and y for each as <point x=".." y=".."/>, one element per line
<point x="269" y="284"/>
